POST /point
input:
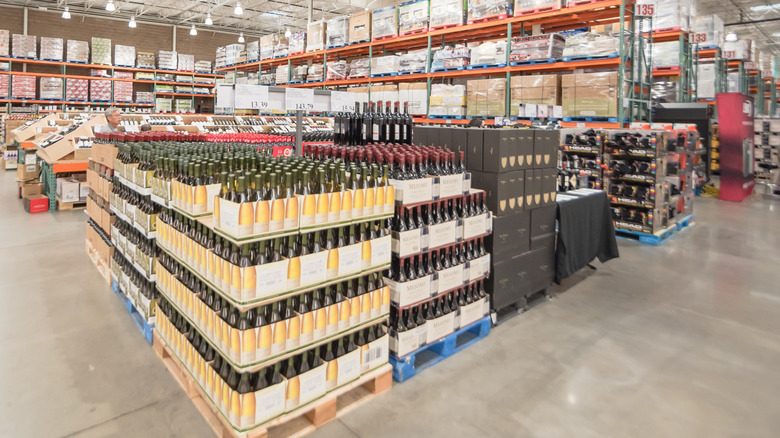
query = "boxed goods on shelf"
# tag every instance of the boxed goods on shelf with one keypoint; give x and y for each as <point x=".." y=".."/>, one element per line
<point x="166" y="60"/>
<point x="385" y="64"/>
<point x="538" y="47"/>
<point x="413" y="61"/>
<point x="183" y="105"/>
<point x="281" y="47"/>
<point x="78" y="51"/>
<point x="101" y="51"/>
<point x="488" y="52"/>
<point x="163" y="104"/>
<point x="315" y="36"/>
<point x="589" y="94"/>
<point x="413" y="17"/>
<point x="201" y="90"/>
<point x="337" y="32"/>
<point x="124" y="55"/>
<point x="742" y="49"/>
<point x="282" y="74"/>
<point x="451" y="57"/>
<point x="100" y="72"/>
<point x="185" y="62"/>
<point x="360" y="27"/>
<point x="535" y="90"/>
<point x="267" y="44"/>
<point x="674" y="14"/>
<point x="297" y="43"/>
<point x="146" y="76"/>
<point x="145" y="60"/>
<point x="446" y="13"/>
<point x="23" y="87"/>
<point x="268" y="78"/>
<point x="123" y="75"/>
<point x="76" y="89"/>
<point x="708" y="30"/>
<point x="123" y="91"/>
<point x="99" y="90"/>
<point x="447" y="100"/>
<point x="486" y="97"/>
<point x="315" y="72"/>
<point x="51" y="88"/>
<point x="665" y="90"/>
<point x="144" y="97"/>
<point x="666" y="54"/>
<point x="5" y="43"/>
<point x="183" y="78"/>
<point x="591" y="44"/>
<point x="220" y="60"/>
<point x="4" y="86"/>
<point x="253" y="51"/>
<point x="385" y="93"/>
<point x="24" y="46"/>
<point x="488" y="9"/>
<point x="203" y="67"/>
<point x="384" y="23"/>
<point x="523" y="7"/>
<point x="299" y="73"/>
<point x="337" y="70"/>
<point x="52" y="49"/>
<point x="416" y="95"/>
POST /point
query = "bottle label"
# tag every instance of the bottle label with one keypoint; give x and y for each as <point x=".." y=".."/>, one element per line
<point x="474" y="226"/>
<point x="406" y="242"/>
<point x="312" y="384"/>
<point x="313" y="268"/>
<point x="440" y="327"/>
<point x="380" y="251"/>
<point x="404" y="343"/>
<point x="375" y="355"/>
<point x="271" y="278"/>
<point x="410" y="292"/>
<point x="413" y="191"/>
<point x="450" y="185"/>
<point x="442" y="234"/>
<point x="269" y="402"/>
<point x="349" y="259"/>
<point x="450" y="278"/>
<point x="349" y="367"/>
<point x="471" y="313"/>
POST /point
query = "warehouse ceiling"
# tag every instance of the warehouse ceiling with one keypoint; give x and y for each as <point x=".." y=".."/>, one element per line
<point x="758" y="20"/>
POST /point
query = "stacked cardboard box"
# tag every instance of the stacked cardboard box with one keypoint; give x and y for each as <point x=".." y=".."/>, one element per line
<point x="145" y="60"/>
<point x="486" y="97"/>
<point x="315" y="36"/>
<point x="124" y="55"/>
<point x="123" y="91"/>
<point x="144" y="97"/>
<point x="666" y="54"/>
<point x="413" y="17"/>
<point x="186" y="62"/>
<point x="589" y="94"/>
<point x="297" y="43"/>
<point x="416" y="95"/>
<point x="203" y="67"/>
<point x="51" y="88"/>
<point x="267" y="43"/>
<point x="539" y="90"/>
<point x="52" y="48"/>
<point x="337" y="31"/>
<point x="23" y="87"/>
<point x="99" y="180"/>
<point x="253" y="51"/>
<point x="282" y="74"/>
<point x="708" y="30"/>
<point x="385" y="64"/>
<point x="71" y="189"/>
<point x="99" y="90"/>
<point x="24" y="46"/>
<point x="384" y="23"/>
<point x="4" y="86"/>
<point x="167" y="60"/>
<point x="485" y="9"/>
<point x="414" y="61"/>
<point x="101" y="51"/>
<point x="446" y="13"/>
<point x="518" y="170"/>
<point x="674" y="14"/>
<point x="488" y="52"/>
<point x="281" y="47"/>
<point x="360" y="27"/>
<point x="76" y="89"/>
<point x="385" y="93"/>
<point x="78" y="51"/>
<point x="5" y="43"/>
<point x="522" y="6"/>
<point x="537" y="47"/>
<point x="447" y="100"/>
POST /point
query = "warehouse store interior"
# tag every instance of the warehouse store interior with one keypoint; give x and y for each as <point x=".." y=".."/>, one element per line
<point x="257" y="219"/>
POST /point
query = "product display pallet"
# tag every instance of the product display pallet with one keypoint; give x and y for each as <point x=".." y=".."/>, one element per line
<point x="408" y="366"/>
<point x="65" y="206"/>
<point x="483" y="66"/>
<point x="685" y="222"/>
<point x="493" y="18"/>
<point x="650" y="239"/>
<point x="146" y="329"/>
<point x="100" y="264"/>
<point x="533" y="62"/>
<point x="589" y="57"/>
<point x="537" y="10"/>
<point x="296" y="423"/>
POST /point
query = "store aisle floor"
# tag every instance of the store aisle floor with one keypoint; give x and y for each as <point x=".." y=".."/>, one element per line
<point x="678" y="340"/>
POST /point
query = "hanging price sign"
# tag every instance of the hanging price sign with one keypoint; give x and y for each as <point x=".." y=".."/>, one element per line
<point x="299" y="99"/>
<point x="341" y="101"/>
<point x="645" y="9"/>
<point x="252" y="97"/>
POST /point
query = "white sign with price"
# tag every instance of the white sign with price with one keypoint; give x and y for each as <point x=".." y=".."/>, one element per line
<point x="252" y="97"/>
<point x="645" y="9"/>
<point x="341" y="101"/>
<point x="299" y="99"/>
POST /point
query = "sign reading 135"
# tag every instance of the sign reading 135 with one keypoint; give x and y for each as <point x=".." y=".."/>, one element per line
<point x="645" y="9"/>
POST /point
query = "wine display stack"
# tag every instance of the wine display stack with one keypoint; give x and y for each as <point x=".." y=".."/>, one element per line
<point x="99" y="179"/>
<point x="267" y="271"/>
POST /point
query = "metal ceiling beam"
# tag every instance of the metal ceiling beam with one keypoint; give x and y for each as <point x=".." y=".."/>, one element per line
<point x="745" y="23"/>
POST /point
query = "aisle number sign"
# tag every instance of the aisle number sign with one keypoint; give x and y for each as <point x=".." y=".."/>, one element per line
<point x="698" y="38"/>
<point x="645" y="8"/>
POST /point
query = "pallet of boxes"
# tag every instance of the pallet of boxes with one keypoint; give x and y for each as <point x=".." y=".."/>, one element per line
<point x="28" y="170"/>
<point x="100" y="171"/>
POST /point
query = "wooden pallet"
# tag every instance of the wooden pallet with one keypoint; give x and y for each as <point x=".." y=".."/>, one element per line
<point x="298" y="423"/>
<point x="65" y="206"/>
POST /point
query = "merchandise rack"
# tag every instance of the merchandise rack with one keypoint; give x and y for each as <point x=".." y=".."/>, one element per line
<point x="715" y="54"/>
<point x="64" y="74"/>
<point x="584" y="15"/>
<point x="685" y="73"/>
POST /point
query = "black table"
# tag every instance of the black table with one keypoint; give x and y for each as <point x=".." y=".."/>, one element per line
<point x="585" y="231"/>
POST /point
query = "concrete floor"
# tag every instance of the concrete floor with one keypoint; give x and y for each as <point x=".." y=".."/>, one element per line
<point x="681" y="340"/>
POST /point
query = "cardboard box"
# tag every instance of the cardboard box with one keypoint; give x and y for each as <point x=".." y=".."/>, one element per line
<point x="30" y="189"/>
<point x="416" y="95"/>
<point x="546" y="144"/>
<point x="27" y="172"/>
<point x="104" y="154"/>
<point x="528" y="189"/>
<point x="544" y="241"/>
<point x="475" y="139"/>
<point x="360" y="27"/>
<point x="511" y="235"/>
<point x="502" y="191"/>
<point x="67" y="189"/>
<point x="549" y="186"/>
<point x="589" y="94"/>
<point x="36" y="204"/>
<point x="499" y="153"/>
<point x="508" y="283"/>
<point x="543" y="220"/>
<point x="315" y="36"/>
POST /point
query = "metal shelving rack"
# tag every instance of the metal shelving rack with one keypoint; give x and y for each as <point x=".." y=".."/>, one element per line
<point x="686" y="73"/>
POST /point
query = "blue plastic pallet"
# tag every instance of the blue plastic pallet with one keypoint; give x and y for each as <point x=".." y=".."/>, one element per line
<point x="311" y="82"/>
<point x="401" y="73"/>
<point x="541" y="119"/>
<point x="650" y="239"/>
<point x="335" y="47"/>
<point x="51" y="60"/>
<point x="446" y="117"/>
<point x="383" y="75"/>
<point x="533" y="62"/>
<point x="710" y="47"/>
<point x="24" y="57"/>
<point x="76" y="62"/>
<point x="405" y="368"/>
<point x="591" y="119"/>
<point x="685" y="222"/>
<point x="589" y="57"/>
<point x="438" y="70"/>
<point x="484" y="66"/>
<point x="146" y="329"/>
<point x="125" y="66"/>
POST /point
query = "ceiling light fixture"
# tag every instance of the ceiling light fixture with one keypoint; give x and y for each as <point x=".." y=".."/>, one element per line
<point x="193" y="31"/>
<point x="110" y="7"/>
<point x="66" y="13"/>
<point x="731" y="37"/>
<point x="208" y="21"/>
<point x="241" y="38"/>
<point x="238" y="10"/>
<point x="287" y="33"/>
<point x="132" y="22"/>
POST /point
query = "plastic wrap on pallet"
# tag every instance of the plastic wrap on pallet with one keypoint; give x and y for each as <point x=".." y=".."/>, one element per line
<point x="537" y="47"/>
<point x="413" y="61"/>
<point x="24" y="46"/>
<point x="145" y="60"/>
<point x="589" y="94"/>
<point x="183" y="89"/>
<point x="666" y="54"/>
<point x="51" y="88"/>
<point x="99" y="89"/>
<point x="446" y="13"/>
<point x="297" y="42"/>
<point x="591" y="44"/>
<point x="233" y="53"/>
<point x="4" y="86"/>
<point x="101" y="51"/>
<point x="23" y="87"/>
<point x="672" y="14"/>
<point x="267" y="78"/>
<point x="203" y="67"/>
<point x="282" y="74"/>
<point x="385" y="64"/>
<point x="299" y="73"/>
<point x="281" y="47"/>
<point x="533" y="5"/>
<point x="741" y="49"/>
<point x="486" y="97"/>
<point x="124" y="55"/>
<point x="315" y="72"/>
<point x="253" y="51"/>
<point x="267" y="44"/>
<point x="123" y="91"/>
<point x="167" y="60"/>
<point x="315" y="36"/>
<point x="664" y="90"/>
<point x="534" y="90"/>
<point x="77" y="51"/>
<point x="5" y="43"/>
<point x="489" y="52"/>
<point x="450" y="57"/>
<point x="163" y="105"/>
<point x="360" y="27"/>
<point x="183" y="105"/>
<point x="219" y="58"/>
<point x="708" y="30"/>
<point x="384" y="23"/>
<point x="705" y="84"/>
<point x="76" y="89"/>
<point x="416" y="95"/>
<point x="447" y="100"/>
<point x="486" y="9"/>
<point x="144" y="97"/>
<point x="358" y="68"/>
<point x="185" y="62"/>
<point x="337" y="31"/>
<point x="52" y="49"/>
<point x="413" y="16"/>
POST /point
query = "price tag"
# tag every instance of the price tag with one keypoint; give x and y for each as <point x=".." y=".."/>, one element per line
<point x="251" y="97"/>
<point x="341" y="101"/>
<point x="645" y="9"/>
<point x="296" y="99"/>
